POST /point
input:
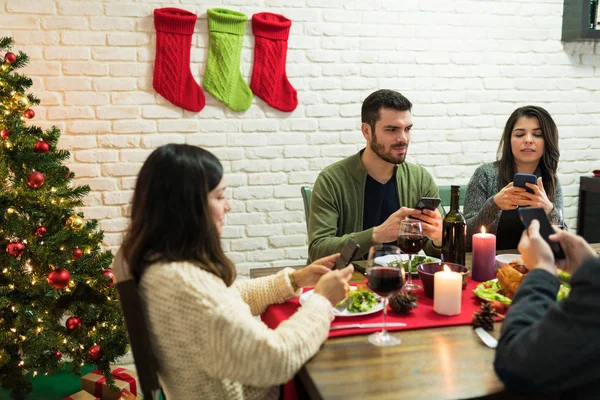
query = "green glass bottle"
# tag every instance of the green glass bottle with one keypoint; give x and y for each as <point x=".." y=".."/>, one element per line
<point x="454" y="234"/>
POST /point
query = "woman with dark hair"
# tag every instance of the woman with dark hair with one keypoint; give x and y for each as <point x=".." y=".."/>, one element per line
<point x="207" y="341"/>
<point x="529" y="145"/>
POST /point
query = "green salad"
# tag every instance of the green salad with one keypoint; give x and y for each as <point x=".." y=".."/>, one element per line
<point x="492" y="290"/>
<point x="360" y="301"/>
<point x="414" y="264"/>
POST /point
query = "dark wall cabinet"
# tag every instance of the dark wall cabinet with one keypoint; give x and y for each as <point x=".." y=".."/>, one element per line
<point x="588" y="215"/>
<point x="579" y="18"/>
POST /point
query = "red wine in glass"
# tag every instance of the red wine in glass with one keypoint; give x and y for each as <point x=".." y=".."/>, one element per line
<point x="384" y="281"/>
<point x="411" y="243"/>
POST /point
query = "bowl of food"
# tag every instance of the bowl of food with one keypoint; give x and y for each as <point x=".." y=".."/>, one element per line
<point x="427" y="270"/>
<point x="504" y="259"/>
<point x="509" y="278"/>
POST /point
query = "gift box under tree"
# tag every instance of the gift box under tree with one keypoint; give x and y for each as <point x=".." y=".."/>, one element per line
<point x="81" y="395"/>
<point x="95" y="383"/>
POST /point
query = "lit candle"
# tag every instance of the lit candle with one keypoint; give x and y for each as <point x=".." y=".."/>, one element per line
<point x="484" y="256"/>
<point x="447" y="287"/>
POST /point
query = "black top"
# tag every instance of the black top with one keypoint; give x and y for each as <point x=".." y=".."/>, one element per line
<point x="381" y="201"/>
<point x="550" y="347"/>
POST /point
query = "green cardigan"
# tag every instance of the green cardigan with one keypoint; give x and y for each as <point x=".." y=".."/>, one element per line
<point x="337" y="203"/>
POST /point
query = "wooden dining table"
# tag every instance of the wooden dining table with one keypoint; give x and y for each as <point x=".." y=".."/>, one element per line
<point x="435" y="363"/>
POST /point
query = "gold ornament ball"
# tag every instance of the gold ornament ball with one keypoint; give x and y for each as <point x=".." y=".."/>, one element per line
<point x="75" y="222"/>
<point x="21" y="100"/>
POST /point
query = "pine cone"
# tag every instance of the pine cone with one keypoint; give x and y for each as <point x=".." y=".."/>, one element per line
<point x="485" y="317"/>
<point x="402" y="303"/>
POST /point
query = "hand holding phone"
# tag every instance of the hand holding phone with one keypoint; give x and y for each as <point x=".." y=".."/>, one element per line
<point x="520" y="180"/>
<point x="528" y="214"/>
<point x="428" y="203"/>
<point x="347" y="254"/>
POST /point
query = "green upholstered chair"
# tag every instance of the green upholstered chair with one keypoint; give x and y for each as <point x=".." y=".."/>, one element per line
<point x="306" y="193"/>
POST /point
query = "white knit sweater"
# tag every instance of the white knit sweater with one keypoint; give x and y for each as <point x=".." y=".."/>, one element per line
<point x="209" y="345"/>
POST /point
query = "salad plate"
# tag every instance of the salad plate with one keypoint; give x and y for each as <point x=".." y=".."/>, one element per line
<point x="403" y="258"/>
<point x="346" y="313"/>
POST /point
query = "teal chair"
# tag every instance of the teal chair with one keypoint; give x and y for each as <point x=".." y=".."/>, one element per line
<point x="306" y="193"/>
<point x="445" y="196"/>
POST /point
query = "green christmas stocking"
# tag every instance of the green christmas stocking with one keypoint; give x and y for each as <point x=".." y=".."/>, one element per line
<point x="223" y="78"/>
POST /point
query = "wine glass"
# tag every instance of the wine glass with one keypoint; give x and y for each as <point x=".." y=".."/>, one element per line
<point x="557" y="219"/>
<point x="385" y="276"/>
<point x="410" y="241"/>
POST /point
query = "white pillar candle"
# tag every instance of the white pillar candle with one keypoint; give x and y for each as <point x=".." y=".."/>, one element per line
<point x="447" y="286"/>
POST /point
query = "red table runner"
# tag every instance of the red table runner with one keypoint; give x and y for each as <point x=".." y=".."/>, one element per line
<point x="421" y="317"/>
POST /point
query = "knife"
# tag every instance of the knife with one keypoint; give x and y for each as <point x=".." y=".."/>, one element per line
<point x="486" y="338"/>
<point x="374" y="325"/>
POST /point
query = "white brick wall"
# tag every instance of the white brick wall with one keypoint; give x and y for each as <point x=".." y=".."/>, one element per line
<point x="465" y="65"/>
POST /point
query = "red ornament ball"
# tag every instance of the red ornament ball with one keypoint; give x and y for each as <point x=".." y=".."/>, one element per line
<point x="109" y="274"/>
<point x="73" y="323"/>
<point x="10" y="57"/>
<point x="77" y="253"/>
<point x="40" y="231"/>
<point x="15" y="249"/>
<point x="94" y="352"/>
<point x="35" y="179"/>
<point x="57" y="354"/>
<point x="5" y="133"/>
<point x="29" y="113"/>
<point x="59" y="278"/>
<point x="41" y="147"/>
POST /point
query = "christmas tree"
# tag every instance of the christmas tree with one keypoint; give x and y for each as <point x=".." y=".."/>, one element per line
<point x="57" y="300"/>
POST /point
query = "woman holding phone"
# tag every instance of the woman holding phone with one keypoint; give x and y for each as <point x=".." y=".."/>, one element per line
<point x="201" y="322"/>
<point x="529" y="145"/>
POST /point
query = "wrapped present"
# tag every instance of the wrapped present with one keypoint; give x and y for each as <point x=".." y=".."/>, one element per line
<point x="95" y="383"/>
<point x="82" y="395"/>
<point x="127" y="395"/>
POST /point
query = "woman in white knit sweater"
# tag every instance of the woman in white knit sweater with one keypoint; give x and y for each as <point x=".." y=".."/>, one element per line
<point x="202" y="324"/>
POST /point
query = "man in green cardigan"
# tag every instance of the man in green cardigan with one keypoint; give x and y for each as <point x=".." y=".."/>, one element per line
<point x="366" y="195"/>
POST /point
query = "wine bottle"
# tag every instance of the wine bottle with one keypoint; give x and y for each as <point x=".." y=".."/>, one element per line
<point x="454" y="234"/>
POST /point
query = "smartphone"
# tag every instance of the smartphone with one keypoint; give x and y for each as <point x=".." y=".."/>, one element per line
<point x="528" y="214"/>
<point x="428" y="203"/>
<point x="519" y="180"/>
<point x="347" y="254"/>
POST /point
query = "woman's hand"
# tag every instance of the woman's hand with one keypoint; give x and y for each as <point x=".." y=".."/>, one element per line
<point x="510" y="197"/>
<point x="309" y="275"/>
<point x="334" y="285"/>
<point x="538" y="198"/>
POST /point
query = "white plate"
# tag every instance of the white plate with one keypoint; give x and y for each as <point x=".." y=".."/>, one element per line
<point x="378" y="307"/>
<point x="384" y="260"/>
<point x="503" y="259"/>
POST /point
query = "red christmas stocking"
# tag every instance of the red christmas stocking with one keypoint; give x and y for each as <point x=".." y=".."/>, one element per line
<point x="269" y="81"/>
<point x="172" y="76"/>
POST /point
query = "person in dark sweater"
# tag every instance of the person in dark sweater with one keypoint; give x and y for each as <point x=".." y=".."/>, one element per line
<point x="549" y="347"/>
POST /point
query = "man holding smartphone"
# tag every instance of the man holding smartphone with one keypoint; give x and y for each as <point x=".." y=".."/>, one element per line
<point x="550" y="347"/>
<point x="366" y="195"/>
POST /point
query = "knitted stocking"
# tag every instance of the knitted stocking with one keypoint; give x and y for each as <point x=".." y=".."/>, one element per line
<point x="172" y="76"/>
<point x="223" y="78"/>
<point x="269" y="81"/>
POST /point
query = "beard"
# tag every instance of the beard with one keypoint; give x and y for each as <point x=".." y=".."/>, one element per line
<point x="388" y="156"/>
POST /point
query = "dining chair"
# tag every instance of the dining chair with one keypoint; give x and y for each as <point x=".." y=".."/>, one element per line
<point x="306" y="193"/>
<point x="137" y="329"/>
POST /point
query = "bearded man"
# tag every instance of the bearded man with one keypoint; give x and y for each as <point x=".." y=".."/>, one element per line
<point x="365" y="196"/>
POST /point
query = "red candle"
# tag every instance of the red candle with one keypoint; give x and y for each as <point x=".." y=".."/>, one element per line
<point x="484" y="256"/>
